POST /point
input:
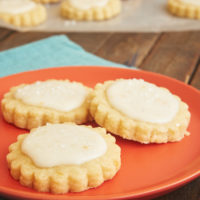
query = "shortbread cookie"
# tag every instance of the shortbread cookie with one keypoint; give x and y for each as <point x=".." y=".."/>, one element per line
<point x="61" y="158"/>
<point x="22" y="12"/>
<point x="139" y="111"/>
<point x="185" y="8"/>
<point x="90" y="9"/>
<point x="54" y="101"/>
<point x="46" y="1"/>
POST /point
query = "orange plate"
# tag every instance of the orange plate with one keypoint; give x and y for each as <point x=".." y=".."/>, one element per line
<point x="146" y="171"/>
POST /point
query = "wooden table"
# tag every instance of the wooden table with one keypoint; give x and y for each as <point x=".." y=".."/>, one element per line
<point x="173" y="54"/>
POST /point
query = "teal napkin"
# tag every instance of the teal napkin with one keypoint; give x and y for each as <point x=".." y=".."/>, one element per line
<point x="54" y="51"/>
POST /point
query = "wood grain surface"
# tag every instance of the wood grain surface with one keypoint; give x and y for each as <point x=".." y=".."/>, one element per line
<point x="175" y="54"/>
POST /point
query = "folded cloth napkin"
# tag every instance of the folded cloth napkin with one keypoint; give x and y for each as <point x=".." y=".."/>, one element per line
<point x="54" y="51"/>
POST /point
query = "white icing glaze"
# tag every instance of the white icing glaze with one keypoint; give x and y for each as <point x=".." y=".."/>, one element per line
<point x="16" y="6"/>
<point x="193" y="2"/>
<point x="87" y="4"/>
<point x="56" y="94"/>
<point x="58" y="144"/>
<point x="144" y="101"/>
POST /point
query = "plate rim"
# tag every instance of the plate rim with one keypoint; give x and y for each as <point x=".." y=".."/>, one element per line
<point x="153" y="189"/>
<point x="106" y="67"/>
<point x="151" y="192"/>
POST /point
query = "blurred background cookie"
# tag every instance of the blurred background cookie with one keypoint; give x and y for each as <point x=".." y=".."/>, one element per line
<point x="22" y="12"/>
<point x="185" y="8"/>
<point x="46" y="1"/>
<point x="90" y="10"/>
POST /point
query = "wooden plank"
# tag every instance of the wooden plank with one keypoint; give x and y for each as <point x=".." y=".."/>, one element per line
<point x="127" y="48"/>
<point x="175" y="55"/>
<point x="19" y="38"/>
<point x="188" y="192"/>
<point x="89" y="41"/>
<point x="196" y="78"/>
<point x="4" y="33"/>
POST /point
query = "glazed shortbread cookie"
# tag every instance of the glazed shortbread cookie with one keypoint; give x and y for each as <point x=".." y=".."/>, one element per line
<point x="54" y="101"/>
<point x="185" y="8"/>
<point x="46" y="1"/>
<point x="68" y="158"/>
<point x="22" y="12"/>
<point x="139" y="111"/>
<point x="90" y="9"/>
